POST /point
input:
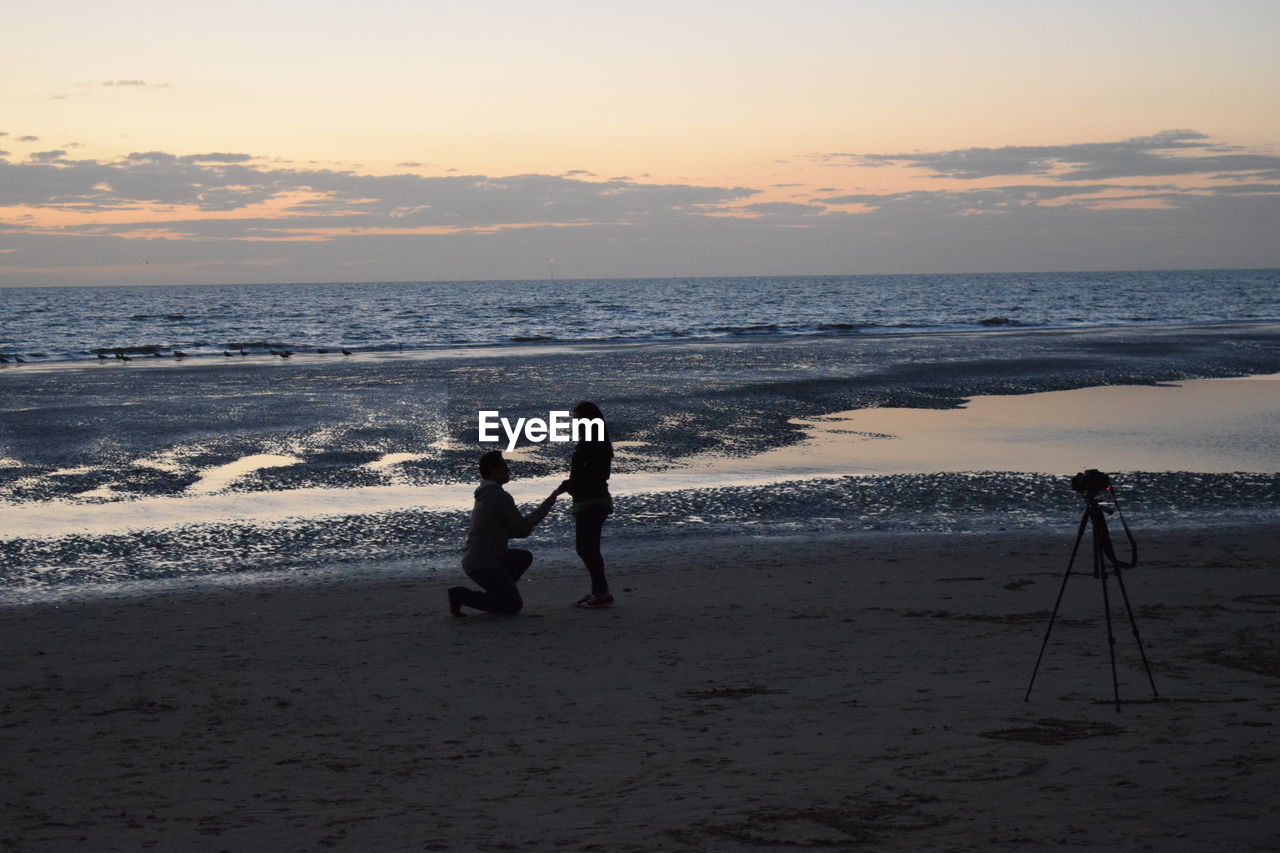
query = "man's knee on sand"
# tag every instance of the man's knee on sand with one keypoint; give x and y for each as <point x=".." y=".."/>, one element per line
<point x="506" y="596"/>
<point x="517" y="562"/>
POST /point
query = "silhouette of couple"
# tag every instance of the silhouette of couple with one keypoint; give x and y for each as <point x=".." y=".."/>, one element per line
<point x="494" y="519"/>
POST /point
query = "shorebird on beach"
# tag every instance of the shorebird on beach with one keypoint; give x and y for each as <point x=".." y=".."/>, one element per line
<point x="102" y="357"/>
<point x="179" y="354"/>
<point x="242" y="352"/>
<point x="323" y="351"/>
<point x="346" y="351"/>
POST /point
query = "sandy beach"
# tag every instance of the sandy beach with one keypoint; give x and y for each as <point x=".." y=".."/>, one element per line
<point x="847" y="692"/>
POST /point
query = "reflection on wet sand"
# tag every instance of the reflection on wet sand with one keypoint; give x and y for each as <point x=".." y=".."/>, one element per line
<point x="1208" y="426"/>
<point x="1216" y="425"/>
<point x="389" y="460"/>
<point x="217" y="479"/>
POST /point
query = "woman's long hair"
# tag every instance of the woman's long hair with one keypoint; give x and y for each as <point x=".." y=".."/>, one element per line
<point x="587" y="409"/>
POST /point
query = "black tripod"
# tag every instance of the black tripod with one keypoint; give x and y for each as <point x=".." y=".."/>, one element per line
<point x="1102" y="554"/>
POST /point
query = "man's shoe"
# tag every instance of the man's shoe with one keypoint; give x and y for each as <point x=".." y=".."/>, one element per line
<point x="455" y="605"/>
<point x="594" y="600"/>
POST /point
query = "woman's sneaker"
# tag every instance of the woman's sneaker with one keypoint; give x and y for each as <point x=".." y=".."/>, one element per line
<point x="594" y="600"/>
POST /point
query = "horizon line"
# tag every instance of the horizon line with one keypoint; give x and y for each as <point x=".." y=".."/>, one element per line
<point x="4" y="286"/>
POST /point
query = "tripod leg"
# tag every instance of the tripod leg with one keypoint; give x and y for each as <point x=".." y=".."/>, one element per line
<point x="1136" y="636"/>
<point x="1100" y="568"/>
<point x="1084" y="521"/>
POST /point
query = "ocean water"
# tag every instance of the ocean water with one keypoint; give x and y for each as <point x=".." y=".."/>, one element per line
<point x="76" y="323"/>
<point x="216" y="469"/>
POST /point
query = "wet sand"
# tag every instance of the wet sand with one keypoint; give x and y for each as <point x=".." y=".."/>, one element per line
<point x="857" y="691"/>
<point x="1203" y="425"/>
<point x="1207" y="426"/>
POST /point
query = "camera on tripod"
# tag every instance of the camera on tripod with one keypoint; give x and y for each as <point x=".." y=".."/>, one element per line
<point x="1090" y="481"/>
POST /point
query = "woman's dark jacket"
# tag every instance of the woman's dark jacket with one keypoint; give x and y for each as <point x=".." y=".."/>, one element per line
<point x="589" y="470"/>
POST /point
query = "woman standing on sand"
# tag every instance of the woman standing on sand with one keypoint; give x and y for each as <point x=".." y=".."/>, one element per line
<point x="588" y="484"/>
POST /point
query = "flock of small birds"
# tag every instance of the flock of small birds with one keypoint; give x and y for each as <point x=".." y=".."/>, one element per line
<point x="119" y="354"/>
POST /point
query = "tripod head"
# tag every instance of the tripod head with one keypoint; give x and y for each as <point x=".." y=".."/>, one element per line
<point x="1089" y="482"/>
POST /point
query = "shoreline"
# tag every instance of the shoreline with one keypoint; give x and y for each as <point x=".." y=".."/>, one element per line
<point x="849" y="690"/>
<point x="557" y="560"/>
<point x="63" y="567"/>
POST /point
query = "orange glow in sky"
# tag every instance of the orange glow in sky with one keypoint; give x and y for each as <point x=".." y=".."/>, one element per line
<point x="779" y="99"/>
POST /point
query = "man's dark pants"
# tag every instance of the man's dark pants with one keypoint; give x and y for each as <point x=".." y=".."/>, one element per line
<point x="500" y="593"/>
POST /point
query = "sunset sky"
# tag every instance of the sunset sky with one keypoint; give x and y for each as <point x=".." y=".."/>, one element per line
<point x="144" y="142"/>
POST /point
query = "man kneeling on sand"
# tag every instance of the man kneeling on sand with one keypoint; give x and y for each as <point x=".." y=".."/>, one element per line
<point x="486" y="559"/>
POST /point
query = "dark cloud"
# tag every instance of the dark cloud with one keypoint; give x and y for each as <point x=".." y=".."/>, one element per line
<point x="783" y="208"/>
<point x="28" y="139"/>
<point x="1249" y="189"/>
<point x="1255" y="176"/>
<point x="160" y="158"/>
<point x="223" y="182"/>
<point x="1166" y="154"/>
<point x="215" y="158"/>
<point x="991" y="198"/>
<point x="137" y="84"/>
